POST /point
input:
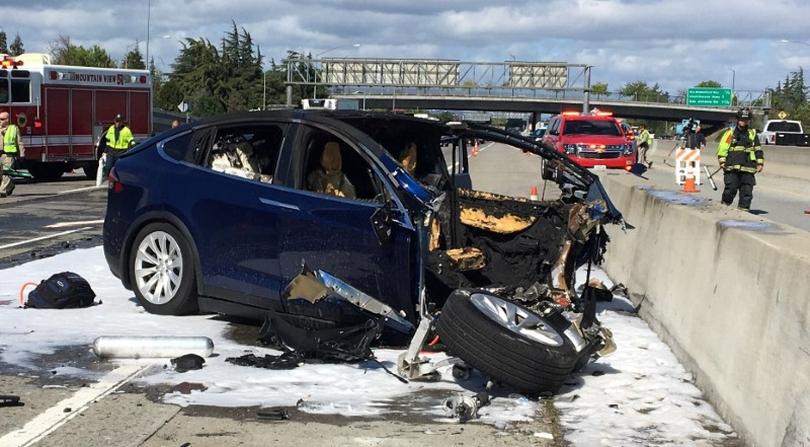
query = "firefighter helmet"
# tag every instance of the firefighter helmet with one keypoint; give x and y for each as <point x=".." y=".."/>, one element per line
<point x="744" y="114"/>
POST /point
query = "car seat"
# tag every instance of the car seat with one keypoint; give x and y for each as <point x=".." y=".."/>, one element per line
<point x="329" y="178"/>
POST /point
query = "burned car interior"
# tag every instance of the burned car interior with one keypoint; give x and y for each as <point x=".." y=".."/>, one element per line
<point x="249" y="152"/>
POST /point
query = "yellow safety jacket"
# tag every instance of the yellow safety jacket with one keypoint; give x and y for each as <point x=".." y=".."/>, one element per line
<point x="125" y="139"/>
<point x="10" y="141"/>
<point x="645" y="137"/>
<point x="740" y="150"/>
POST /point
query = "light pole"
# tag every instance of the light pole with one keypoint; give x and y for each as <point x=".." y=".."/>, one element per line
<point x="148" y="28"/>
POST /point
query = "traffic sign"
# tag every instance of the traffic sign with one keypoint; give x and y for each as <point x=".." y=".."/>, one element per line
<point x="182" y="107"/>
<point x="709" y="97"/>
<point x="782" y="115"/>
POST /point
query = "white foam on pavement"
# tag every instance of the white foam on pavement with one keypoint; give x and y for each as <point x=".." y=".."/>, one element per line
<point x="353" y="390"/>
<point x="643" y="396"/>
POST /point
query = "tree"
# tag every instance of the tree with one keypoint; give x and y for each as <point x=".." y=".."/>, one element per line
<point x="640" y="91"/>
<point x="3" y="42"/>
<point x="791" y="96"/>
<point x="133" y="59"/>
<point x="16" y="48"/>
<point x="712" y="84"/>
<point x="600" y="89"/>
<point x="63" y="52"/>
<point x="446" y="116"/>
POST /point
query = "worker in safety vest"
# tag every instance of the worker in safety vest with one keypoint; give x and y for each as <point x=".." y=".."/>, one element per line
<point x="115" y="142"/>
<point x="645" y="142"/>
<point x="12" y="148"/>
<point x="740" y="156"/>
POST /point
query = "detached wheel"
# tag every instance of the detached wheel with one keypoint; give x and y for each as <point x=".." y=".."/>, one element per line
<point x="506" y="341"/>
<point x="162" y="271"/>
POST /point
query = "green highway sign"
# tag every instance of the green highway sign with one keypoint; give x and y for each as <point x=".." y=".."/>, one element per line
<point x="708" y="97"/>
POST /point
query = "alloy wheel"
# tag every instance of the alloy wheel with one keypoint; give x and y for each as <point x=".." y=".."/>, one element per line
<point x="517" y="319"/>
<point x="158" y="267"/>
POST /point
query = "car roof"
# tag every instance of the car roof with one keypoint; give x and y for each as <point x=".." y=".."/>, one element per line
<point x="334" y="119"/>
<point x="589" y="118"/>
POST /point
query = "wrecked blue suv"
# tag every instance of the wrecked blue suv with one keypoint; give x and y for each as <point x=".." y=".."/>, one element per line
<point x="221" y="216"/>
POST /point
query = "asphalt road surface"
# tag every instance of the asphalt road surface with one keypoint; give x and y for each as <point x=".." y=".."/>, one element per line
<point x="41" y="219"/>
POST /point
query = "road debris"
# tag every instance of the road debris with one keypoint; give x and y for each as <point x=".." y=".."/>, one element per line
<point x="137" y="347"/>
<point x="273" y="414"/>
<point x="188" y="362"/>
<point x="10" y="400"/>
<point x="465" y="407"/>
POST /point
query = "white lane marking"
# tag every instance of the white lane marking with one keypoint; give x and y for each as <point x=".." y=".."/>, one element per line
<point x="53" y="418"/>
<point x="486" y="146"/>
<point x="88" y="188"/>
<point x="75" y="224"/>
<point x="42" y="238"/>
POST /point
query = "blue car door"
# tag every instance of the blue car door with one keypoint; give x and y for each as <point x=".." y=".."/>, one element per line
<point x="334" y="233"/>
<point x="223" y="200"/>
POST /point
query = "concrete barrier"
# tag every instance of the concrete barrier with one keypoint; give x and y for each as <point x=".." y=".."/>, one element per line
<point x="788" y="161"/>
<point x="730" y="293"/>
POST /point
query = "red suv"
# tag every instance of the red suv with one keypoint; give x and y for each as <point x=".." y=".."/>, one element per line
<point x="591" y="140"/>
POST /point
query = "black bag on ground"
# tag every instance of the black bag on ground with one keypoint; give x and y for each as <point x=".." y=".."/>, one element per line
<point x="61" y="291"/>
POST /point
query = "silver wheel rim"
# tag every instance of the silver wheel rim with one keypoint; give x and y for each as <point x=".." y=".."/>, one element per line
<point x="158" y="267"/>
<point x="516" y="319"/>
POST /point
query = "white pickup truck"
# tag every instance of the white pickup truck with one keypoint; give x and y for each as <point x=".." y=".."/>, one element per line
<point x="784" y="132"/>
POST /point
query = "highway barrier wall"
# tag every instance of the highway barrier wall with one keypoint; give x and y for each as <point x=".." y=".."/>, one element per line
<point x="789" y="161"/>
<point x="730" y="293"/>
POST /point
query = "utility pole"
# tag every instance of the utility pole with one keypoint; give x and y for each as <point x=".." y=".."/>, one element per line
<point x="586" y="104"/>
<point x="148" y="29"/>
<point x="733" y="78"/>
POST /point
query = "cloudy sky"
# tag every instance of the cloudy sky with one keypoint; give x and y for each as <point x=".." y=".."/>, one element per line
<point x="676" y="43"/>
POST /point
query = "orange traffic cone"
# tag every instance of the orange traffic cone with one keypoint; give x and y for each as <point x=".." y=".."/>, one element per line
<point x="689" y="185"/>
<point x="533" y="193"/>
<point x="475" y="149"/>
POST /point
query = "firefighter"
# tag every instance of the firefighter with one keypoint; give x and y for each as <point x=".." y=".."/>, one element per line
<point x="740" y="157"/>
<point x="645" y="141"/>
<point x="12" y="148"/>
<point x="116" y="141"/>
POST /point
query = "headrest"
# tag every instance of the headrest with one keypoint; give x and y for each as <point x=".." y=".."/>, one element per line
<point x="330" y="157"/>
<point x="408" y="158"/>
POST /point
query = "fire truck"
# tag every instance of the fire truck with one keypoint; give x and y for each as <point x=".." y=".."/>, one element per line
<point x="63" y="111"/>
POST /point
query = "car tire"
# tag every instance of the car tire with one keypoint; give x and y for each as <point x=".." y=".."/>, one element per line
<point x="546" y="173"/>
<point x="161" y="271"/>
<point x="535" y="363"/>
